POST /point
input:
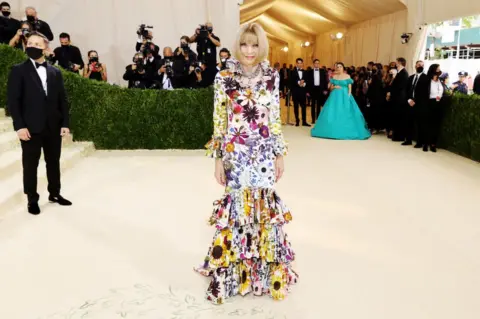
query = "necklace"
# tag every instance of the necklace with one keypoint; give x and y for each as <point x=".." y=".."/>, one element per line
<point x="248" y="79"/>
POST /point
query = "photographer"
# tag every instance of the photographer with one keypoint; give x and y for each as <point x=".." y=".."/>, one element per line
<point x="67" y="55"/>
<point x="207" y="43"/>
<point x="224" y="57"/>
<point x="19" y="41"/>
<point x="145" y="38"/>
<point x="95" y="70"/>
<point x="184" y="59"/>
<point x="165" y="75"/>
<point x="205" y="74"/>
<point x="135" y="73"/>
<point x="37" y="24"/>
<point x="8" y="25"/>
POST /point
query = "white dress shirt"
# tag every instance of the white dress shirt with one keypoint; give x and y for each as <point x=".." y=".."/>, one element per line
<point x="316" y="77"/>
<point x="436" y="89"/>
<point x="300" y="77"/>
<point x="42" y="73"/>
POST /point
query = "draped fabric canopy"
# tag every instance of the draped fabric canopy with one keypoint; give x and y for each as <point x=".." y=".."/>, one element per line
<point x="288" y="21"/>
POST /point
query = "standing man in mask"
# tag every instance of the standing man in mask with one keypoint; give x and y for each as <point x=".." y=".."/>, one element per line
<point x="207" y="43"/>
<point x="38" y="25"/>
<point x="417" y="90"/>
<point x="67" y="55"/>
<point x="37" y="102"/>
<point x="8" y="25"/>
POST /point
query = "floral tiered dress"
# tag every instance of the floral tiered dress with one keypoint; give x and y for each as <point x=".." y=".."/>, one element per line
<point x="250" y="252"/>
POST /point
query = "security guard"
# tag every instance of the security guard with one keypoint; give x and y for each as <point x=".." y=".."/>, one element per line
<point x="460" y="86"/>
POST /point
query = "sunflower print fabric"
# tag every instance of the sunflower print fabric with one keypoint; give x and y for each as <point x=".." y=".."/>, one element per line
<point x="250" y="253"/>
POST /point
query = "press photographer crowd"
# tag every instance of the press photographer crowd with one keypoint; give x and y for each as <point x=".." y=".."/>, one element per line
<point x="150" y="68"/>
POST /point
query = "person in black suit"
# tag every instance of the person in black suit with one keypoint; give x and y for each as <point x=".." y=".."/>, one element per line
<point x="399" y="101"/>
<point x="38" y="25"/>
<point x="38" y="105"/>
<point x="417" y="103"/>
<point x="298" y="87"/>
<point x="8" y="25"/>
<point x="318" y="88"/>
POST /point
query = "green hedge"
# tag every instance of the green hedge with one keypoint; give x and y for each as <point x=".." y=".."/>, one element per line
<point x="461" y="127"/>
<point x="119" y="118"/>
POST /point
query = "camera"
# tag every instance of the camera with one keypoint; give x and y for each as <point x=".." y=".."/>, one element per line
<point x="185" y="47"/>
<point x="25" y="32"/>
<point x="203" y="30"/>
<point x="223" y="64"/>
<point x="168" y="67"/>
<point x="198" y="66"/>
<point x="142" y="30"/>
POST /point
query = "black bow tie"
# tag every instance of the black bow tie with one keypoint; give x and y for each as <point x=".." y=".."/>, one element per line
<point x="44" y="64"/>
<point x="317" y="69"/>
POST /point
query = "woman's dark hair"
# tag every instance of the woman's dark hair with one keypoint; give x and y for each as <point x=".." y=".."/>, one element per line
<point x="91" y="51"/>
<point x="340" y="63"/>
<point x="432" y="70"/>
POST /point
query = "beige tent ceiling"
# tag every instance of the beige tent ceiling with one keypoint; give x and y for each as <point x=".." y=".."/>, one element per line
<point x="301" y="20"/>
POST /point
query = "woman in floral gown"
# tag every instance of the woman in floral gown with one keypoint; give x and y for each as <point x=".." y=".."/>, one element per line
<point x="250" y="252"/>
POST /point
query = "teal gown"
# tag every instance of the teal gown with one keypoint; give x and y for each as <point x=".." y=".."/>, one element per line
<point x="340" y="118"/>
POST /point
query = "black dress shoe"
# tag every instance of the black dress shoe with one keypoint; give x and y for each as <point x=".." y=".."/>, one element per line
<point x="433" y="149"/>
<point x="59" y="200"/>
<point x="306" y="124"/>
<point x="425" y="148"/>
<point x="418" y="146"/>
<point x="33" y="208"/>
<point x="406" y="143"/>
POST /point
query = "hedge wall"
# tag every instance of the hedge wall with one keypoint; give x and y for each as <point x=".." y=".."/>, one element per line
<point x="119" y="118"/>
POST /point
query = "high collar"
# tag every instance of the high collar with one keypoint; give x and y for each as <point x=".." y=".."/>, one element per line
<point x="238" y="70"/>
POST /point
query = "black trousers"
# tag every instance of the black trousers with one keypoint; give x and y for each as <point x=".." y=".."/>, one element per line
<point x="300" y="99"/>
<point x="399" y="120"/>
<point x="433" y="121"/>
<point x="410" y="120"/>
<point x="318" y="100"/>
<point x="51" y="143"/>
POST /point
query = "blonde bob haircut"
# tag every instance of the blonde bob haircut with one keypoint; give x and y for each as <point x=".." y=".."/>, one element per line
<point x="251" y="33"/>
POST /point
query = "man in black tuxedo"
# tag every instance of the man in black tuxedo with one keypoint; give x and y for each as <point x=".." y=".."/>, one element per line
<point x="399" y="100"/>
<point x="298" y="87"/>
<point x="417" y="103"/>
<point x="318" y="88"/>
<point x="37" y="102"/>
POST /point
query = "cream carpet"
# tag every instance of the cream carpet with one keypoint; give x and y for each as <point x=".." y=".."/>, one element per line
<point x="380" y="231"/>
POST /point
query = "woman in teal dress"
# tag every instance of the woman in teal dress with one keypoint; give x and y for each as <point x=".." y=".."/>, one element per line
<point x="340" y="118"/>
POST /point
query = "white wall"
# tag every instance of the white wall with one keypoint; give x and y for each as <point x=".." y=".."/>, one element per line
<point x="109" y="26"/>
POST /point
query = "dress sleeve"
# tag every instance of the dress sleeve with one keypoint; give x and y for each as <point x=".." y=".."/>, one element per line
<point x="275" y="121"/>
<point x="349" y="81"/>
<point x="215" y="145"/>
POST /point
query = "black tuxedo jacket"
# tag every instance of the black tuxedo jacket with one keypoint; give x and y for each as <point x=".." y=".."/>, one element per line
<point x="399" y="89"/>
<point x="311" y="81"/>
<point x="28" y="104"/>
<point x="294" y="78"/>
<point x="421" y="94"/>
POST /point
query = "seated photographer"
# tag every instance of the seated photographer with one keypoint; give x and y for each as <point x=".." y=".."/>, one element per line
<point x="37" y="24"/>
<point x="8" y="25"/>
<point x="135" y="73"/>
<point x="19" y="41"/>
<point x="205" y="74"/>
<point x="67" y="55"/>
<point x="224" y="57"/>
<point x="207" y="43"/>
<point x="95" y="70"/>
<point x="164" y="76"/>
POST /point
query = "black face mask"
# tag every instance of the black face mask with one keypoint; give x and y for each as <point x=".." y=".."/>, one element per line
<point x="65" y="46"/>
<point x="420" y="69"/>
<point x="438" y="73"/>
<point x="6" y="13"/>
<point x="34" y="53"/>
<point x="94" y="59"/>
<point x="30" y="18"/>
<point x="210" y="29"/>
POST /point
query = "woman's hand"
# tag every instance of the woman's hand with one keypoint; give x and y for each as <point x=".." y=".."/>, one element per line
<point x="279" y="168"/>
<point x="220" y="172"/>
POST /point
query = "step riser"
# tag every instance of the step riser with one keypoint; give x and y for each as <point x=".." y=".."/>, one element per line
<point x="18" y="198"/>
<point x="9" y="170"/>
<point x="15" y="143"/>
